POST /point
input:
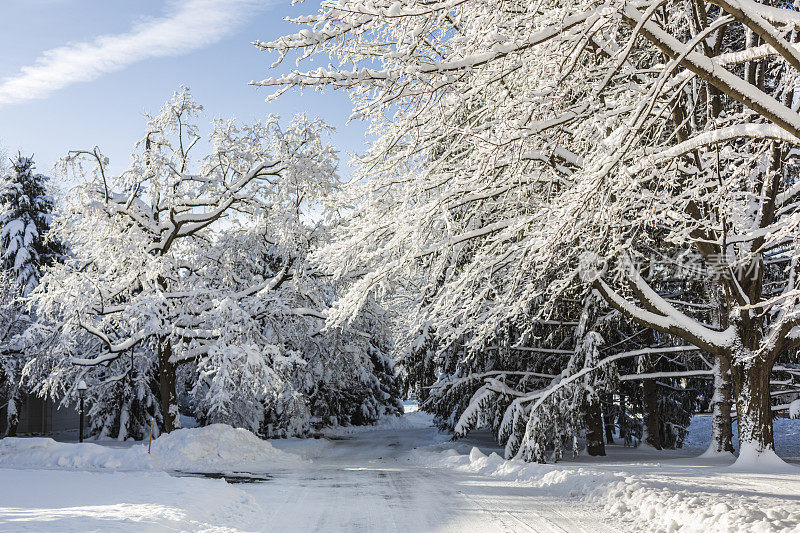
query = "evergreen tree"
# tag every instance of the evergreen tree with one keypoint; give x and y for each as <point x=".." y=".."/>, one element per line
<point x="24" y="224"/>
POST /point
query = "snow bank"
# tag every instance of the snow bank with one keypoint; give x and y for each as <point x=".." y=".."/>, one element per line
<point x="663" y="509"/>
<point x="752" y="460"/>
<point x="215" y="448"/>
<point x="218" y="448"/>
<point x="44" y="453"/>
<point x="648" y="504"/>
<point x="567" y="482"/>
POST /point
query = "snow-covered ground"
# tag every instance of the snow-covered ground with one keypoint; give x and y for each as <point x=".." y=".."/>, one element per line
<point x="651" y="490"/>
<point x="401" y="476"/>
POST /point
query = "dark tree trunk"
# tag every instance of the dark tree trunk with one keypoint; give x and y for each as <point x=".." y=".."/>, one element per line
<point x="753" y="406"/>
<point x="169" y="396"/>
<point x="652" y="433"/>
<point x="12" y="413"/>
<point x="594" y="428"/>
<point x="608" y="419"/>
<point x="650" y="405"/>
<point x="721" y="424"/>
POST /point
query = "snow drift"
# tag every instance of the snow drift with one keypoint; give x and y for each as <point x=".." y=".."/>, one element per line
<point x="215" y="448"/>
<point x="45" y="453"/>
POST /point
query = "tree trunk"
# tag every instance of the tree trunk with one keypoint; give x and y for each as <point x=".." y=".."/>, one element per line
<point x="650" y="406"/>
<point x="594" y="428"/>
<point x="651" y="431"/>
<point x="753" y="406"/>
<point x="169" y="395"/>
<point x="608" y="419"/>
<point x="12" y="413"/>
<point x="721" y="424"/>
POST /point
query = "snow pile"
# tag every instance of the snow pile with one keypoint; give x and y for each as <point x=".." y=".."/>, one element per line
<point x="45" y="453"/>
<point x="217" y="448"/>
<point x="568" y="482"/>
<point x="649" y="505"/>
<point x="750" y="459"/>
<point x="663" y="509"/>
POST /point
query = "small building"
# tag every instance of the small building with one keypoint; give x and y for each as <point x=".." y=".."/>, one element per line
<point x="42" y="417"/>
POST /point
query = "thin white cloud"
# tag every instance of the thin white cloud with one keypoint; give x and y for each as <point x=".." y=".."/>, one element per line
<point x="188" y="25"/>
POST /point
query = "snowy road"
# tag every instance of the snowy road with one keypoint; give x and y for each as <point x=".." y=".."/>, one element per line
<point x="368" y="483"/>
<point x="365" y="482"/>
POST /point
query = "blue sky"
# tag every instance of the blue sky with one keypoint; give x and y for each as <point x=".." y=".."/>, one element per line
<point x="79" y="73"/>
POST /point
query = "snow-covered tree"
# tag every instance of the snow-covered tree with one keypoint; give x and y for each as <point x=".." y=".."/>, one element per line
<point x="318" y="376"/>
<point x="25" y="212"/>
<point x="189" y="279"/>
<point x="522" y="146"/>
